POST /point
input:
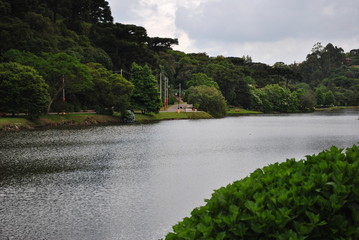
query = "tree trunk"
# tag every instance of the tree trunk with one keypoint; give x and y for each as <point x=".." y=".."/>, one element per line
<point x="54" y="97"/>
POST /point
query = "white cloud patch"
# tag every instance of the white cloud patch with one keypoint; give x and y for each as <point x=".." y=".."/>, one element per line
<point x="268" y="31"/>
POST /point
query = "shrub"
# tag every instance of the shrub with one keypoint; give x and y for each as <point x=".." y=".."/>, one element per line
<point x="316" y="198"/>
<point x="128" y="117"/>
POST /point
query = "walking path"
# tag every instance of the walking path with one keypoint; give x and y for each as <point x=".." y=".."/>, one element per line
<point x="184" y="107"/>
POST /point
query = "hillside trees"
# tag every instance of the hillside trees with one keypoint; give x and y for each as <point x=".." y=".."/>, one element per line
<point x="231" y="81"/>
<point x="77" y="27"/>
<point x="22" y="90"/>
<point x="320" y="63"/>
<point x="127" y="43"/>
<point x="88" y="86"/>
<point x="82" y="32"/>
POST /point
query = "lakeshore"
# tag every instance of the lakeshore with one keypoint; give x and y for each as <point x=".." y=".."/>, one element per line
<point x="93" y="119"/>
<point x="90" y="119"/>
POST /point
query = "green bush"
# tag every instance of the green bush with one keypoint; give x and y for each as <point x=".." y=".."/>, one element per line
<point x="316" y="198"/>
<point x="208" y="99"/>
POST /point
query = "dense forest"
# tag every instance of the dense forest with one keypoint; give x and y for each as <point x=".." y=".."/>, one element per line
<point x="66" y="55"/>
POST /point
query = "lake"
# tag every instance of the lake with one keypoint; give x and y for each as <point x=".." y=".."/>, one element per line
<point x="136" y="181"/>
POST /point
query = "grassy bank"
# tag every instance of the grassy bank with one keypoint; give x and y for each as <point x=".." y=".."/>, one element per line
<point x="77" y="119"/>
<point x="49" y="121"/>
<point x="89" y="119"/>
<point x="240" y="111"/>
<point x="15" y="123"/>
<point x="143" y="118"/>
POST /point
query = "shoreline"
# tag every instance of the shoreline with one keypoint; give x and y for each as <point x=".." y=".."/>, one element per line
<point x="91" y="119"/>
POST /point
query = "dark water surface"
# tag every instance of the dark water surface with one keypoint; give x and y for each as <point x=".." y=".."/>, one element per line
<point x="135" y="182"/>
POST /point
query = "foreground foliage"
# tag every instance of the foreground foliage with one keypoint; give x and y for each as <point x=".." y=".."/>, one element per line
<point x="316" y="198"/>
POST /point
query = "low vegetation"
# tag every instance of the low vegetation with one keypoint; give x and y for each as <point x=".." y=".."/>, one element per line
<point x="240" y="111"/>
<point x="316" y="198"/>
<point x="142" y="118"/>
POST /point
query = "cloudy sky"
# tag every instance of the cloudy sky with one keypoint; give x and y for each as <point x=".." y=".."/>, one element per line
<point x="267" y="30"/>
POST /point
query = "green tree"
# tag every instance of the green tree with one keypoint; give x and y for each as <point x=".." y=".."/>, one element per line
<point x="22" y="89"/>
<point x="96" y="55"/>
<point x="231" y="81"/>
<point x="307" y="99"/>
<point x="320" y="63"/>
<point x="208" y="99"/>
<point x="158" y="43"/>
<point x="319" y="96"/>
<point x="199" y="79"/>
<point x="146" y="95"/>
<point x="329" y="98"/>
<point x="125" y="44"/>
<point x="110" y="90"/>
<point x="54" y="68"/>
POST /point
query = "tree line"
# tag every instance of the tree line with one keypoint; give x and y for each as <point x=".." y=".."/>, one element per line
<point x="52" y="46"/>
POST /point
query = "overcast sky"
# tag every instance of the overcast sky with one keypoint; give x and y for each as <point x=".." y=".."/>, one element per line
<point x="267" y="30"/>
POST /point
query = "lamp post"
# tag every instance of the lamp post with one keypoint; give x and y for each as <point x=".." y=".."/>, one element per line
<point x="63" y="88"/>
<point x="179" y="95"/>
<point x="166" y="92"/>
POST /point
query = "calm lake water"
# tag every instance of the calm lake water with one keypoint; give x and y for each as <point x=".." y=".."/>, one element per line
<point x="136" y="181"/>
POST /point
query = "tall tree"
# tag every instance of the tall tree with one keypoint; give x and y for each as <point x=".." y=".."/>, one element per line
<point x="146" y="96"/>
<point x="320" y="63"/>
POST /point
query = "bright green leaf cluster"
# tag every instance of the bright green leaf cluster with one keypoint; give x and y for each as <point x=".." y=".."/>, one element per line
<point x="22" y="89"/>
<point x="316" y="198"/>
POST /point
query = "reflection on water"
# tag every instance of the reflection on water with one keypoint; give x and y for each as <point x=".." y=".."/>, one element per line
<point x="135" y="182"/>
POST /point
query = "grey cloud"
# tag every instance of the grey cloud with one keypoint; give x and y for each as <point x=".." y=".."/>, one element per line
<point x="263" y="20"/>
